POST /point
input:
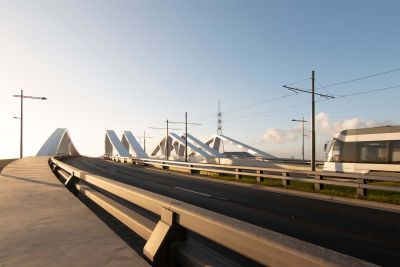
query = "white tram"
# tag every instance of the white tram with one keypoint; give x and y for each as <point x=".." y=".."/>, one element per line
<point x="365" y="150"/>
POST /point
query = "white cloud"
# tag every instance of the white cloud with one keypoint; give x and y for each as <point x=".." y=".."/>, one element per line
<point x="280" y="136"/>
<point x="323" y="125"/>
<point x="326" y="126"/>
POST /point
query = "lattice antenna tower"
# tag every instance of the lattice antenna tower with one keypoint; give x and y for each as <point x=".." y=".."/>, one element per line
<point x="219" y="114"/>
<point x="219" y="129"/>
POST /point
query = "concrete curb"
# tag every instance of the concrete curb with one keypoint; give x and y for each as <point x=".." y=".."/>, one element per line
<point x="330" y="198"/>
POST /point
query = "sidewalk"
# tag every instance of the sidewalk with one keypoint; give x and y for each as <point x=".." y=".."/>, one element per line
<point x="43" y="224"/>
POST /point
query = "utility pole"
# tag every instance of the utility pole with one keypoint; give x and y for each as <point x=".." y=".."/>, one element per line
<point x="144" y="140"/>
<point x="186" y="133"/>
<point x="22" y="96"/>
<point x="166" y="143"/>
<point x="166" y="138"/>
<point x="313" y="121"/>
<point x="313" y="93"/>
<point x="21" y="140"/>
<point x="302" y="147"/>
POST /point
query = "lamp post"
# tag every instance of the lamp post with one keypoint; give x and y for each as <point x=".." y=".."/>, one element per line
<point x="22" y="96"/>
<point x="302" y="147"/>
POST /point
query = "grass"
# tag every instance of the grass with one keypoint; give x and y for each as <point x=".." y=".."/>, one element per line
<point x="333" y="190"/>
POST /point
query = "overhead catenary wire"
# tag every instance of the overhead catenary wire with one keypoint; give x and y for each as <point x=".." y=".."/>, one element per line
<point x="361" y="78"/>
<point x="320" y="100"/>
<point x="248" y="105"/>
<point x="369" y="91"/>
<point x="258" y="103"/>
<point x="303" y="80"/>
<point x="299" y="81"/>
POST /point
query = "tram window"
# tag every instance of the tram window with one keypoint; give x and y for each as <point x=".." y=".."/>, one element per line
<point x="349" y="152"/>
<point x="395" y="151"/>
<point x="372" y="151"/>
<point x="336" y="150"/>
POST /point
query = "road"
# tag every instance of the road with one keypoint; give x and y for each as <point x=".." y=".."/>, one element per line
<point x="368" y="234"/>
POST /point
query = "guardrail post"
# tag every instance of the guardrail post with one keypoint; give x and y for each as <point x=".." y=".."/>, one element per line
<point x="259" y="178"/>
<point x="285" y="182"/>
<point x="55" y="168"/>
<point x="162" y="165"/>
<point x="191" y="168"/>
<point x="238" y="176"/>
<point x="318" y="186"/>
<point x="361" y="192"/>
<point x="166" y="232"/>
<point x="70" y="183"/>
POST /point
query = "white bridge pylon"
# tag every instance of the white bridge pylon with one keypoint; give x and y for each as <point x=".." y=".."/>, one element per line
<point x="202" y="146"/>
<point x="114" y="147"/>
<point x="215" y="143"/>
<point x="132" y="145"/>
<point x="176" y="144"/>
<point x="59" y="143"/>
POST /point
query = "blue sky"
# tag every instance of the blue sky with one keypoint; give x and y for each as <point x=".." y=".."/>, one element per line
<point x="129" y="65"/>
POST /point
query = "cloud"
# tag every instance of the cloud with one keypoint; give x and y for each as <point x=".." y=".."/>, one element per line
<point x="323" y="125"/>
<point x="280" y="136"/>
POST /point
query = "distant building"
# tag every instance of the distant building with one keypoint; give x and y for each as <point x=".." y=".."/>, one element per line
<point x="238" y="154"/>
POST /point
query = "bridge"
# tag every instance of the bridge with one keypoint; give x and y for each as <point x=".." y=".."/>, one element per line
<point x="132" y="209"/>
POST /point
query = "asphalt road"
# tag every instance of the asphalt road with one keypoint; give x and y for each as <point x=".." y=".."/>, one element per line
<point x="368" y="234"/>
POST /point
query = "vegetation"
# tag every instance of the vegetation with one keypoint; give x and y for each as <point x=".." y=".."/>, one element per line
<point x="341" y="191"/>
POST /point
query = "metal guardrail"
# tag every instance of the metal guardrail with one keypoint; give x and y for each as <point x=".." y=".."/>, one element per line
<point x="358" y="181"/>
<point x="166" y="244"/>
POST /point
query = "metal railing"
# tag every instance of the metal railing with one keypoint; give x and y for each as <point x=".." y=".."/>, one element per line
<point x="166" y="243"/>
<point x="361" y="182"/>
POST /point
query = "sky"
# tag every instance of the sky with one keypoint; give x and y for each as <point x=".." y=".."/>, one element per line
<point x="130" y="65"/>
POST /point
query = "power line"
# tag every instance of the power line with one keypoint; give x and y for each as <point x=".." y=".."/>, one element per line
<point x="249" y="105"/>
<point x="269" y="111"/>
<point x="305" y="91"/>
<point x="258" y="103"/>
<point x="322" y="87"/>
<point x="288" y="95"/>
<point x="370" y="91"/>
<point x="298" y="81"/>
<point x="362" y="78"/>
<point x="321" y="100"/>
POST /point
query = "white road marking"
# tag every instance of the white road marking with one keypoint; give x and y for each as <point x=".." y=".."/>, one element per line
<point x="195" y="192"/>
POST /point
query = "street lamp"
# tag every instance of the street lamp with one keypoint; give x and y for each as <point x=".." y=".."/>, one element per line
<point x="22" y="96"/>
<point x="302" y="147"/>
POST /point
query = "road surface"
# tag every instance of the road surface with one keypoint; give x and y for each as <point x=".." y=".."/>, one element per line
<point x="368" y="234"/>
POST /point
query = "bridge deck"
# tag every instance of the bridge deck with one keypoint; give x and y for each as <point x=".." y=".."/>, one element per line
<point x="43" y="224"/>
